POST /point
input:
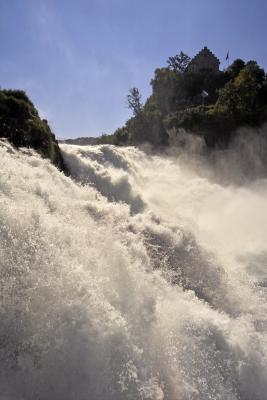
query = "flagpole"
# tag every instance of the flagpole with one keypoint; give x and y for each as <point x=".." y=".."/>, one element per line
<point x="228" y="57"/>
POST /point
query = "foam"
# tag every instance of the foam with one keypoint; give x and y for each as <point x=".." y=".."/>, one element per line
<point x="104" y="300"/>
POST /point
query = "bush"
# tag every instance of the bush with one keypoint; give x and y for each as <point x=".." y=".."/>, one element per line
<point x="22" y="126"/>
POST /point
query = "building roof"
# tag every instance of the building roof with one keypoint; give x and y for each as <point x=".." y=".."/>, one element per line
<point x="207" y="52"/>
<point x="204" y="58"/>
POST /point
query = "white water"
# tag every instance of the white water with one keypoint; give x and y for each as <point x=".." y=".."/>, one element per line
<point x="142" y="279"/>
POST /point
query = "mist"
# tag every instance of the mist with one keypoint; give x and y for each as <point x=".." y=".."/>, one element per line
<point x="140" y="276"/>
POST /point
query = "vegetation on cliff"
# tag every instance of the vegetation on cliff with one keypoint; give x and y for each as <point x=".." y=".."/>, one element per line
<point x="21" y="124"/>
<point x="210" y="104"/>
<point x="207" y="103"/>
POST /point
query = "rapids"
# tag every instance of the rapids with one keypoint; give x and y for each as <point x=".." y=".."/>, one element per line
<point x="138" y="277"/>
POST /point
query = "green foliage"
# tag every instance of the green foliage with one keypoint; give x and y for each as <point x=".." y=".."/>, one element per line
<point x="213" y="123"/>
<point x="244" y="96"/>
<point x="22" y="126"/>
<point x="121" y="136"/>
<point x="235" y="68"/>
<point x="175" y="91"/>
<point x="147" y="128"/>
<point x="105" y="139"/>
<point x="240" y="101"/>
<point x="168" y="90"/>
<point x="236" y="97"/>
<point x="179" y="62"/>
<point x="134" y="101"/>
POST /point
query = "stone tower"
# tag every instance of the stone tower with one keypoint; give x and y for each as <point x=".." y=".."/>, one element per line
<point x="205" y="60"/>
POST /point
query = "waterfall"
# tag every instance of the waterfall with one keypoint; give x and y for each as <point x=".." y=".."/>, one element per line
<point x="140" y="276"/>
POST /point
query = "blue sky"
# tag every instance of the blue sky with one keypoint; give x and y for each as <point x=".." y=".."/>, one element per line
<point x="77" y="59"/>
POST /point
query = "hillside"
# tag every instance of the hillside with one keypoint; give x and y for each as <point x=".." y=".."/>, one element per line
<point x="21" y="124"/>
<point x="210" y="103"/>
<point x="199" y="99"/>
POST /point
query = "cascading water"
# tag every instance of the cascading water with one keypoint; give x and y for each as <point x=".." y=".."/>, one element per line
<point x="136" y="278"/>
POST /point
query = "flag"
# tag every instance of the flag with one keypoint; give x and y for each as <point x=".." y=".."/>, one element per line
<point x="227" y="55"/>
<point x="204" y="94"/>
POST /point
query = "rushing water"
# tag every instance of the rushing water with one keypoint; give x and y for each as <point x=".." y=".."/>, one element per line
<point x="137" y="278"/>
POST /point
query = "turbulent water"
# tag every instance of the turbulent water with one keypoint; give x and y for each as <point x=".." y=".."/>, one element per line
<point x="138" y="277"/>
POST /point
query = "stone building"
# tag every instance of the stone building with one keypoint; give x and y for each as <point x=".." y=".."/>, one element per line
<point x="205" y="60"/>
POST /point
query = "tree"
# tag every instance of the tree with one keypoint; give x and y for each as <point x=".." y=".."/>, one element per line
<point x="236" y="67"/>
<point x="243" y="96"/>
<point x="179" y="62"/>
<point x="134" y="101"/>
<point x="121" y="136"/>
<point x="228" y="98"/>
